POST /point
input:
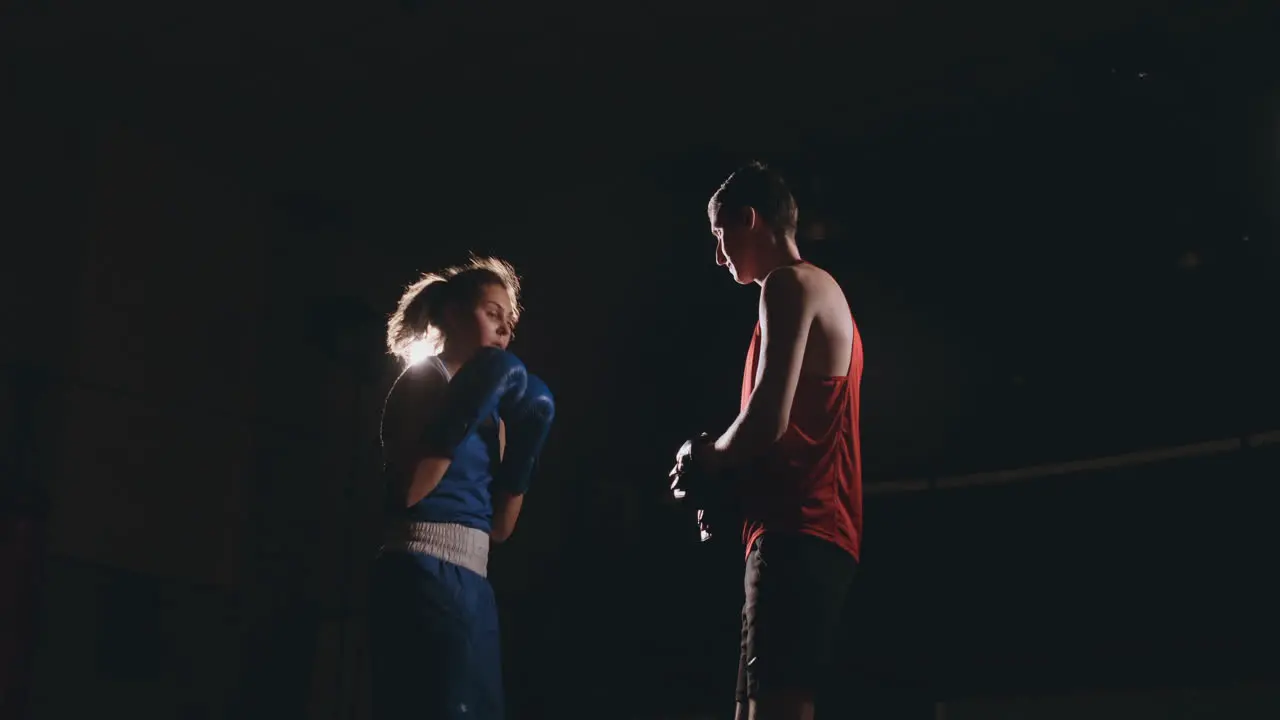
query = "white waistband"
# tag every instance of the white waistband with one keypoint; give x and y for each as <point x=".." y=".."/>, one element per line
<point x="463" y="546"/>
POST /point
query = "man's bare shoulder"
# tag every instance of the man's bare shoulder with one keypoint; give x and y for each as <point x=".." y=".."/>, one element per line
<point x="822" y="289"/>
<point x="803" y="284"/>
<point x="802" y="277"/>
<point x="813" y="273"/>
<point x="789" y="277"/>
<point x="786" y="292"/>
<point x="817" y="284"/>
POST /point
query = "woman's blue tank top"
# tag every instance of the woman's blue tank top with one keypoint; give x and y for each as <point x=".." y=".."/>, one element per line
<point x="462" y="497"/>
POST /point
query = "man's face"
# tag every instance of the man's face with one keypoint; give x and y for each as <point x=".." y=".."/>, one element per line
<point x="737" y="242"/>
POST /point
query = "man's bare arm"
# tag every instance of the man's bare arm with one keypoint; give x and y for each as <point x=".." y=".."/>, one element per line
<point x="786" y="314"/>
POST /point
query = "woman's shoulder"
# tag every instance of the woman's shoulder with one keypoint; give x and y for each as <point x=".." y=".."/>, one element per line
<point x="420" y="382"/>
<point x="428" y="375"/>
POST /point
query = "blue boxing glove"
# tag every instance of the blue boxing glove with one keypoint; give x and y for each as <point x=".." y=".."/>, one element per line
<point x="528" y="422"/>
<point x="491" y="380"/>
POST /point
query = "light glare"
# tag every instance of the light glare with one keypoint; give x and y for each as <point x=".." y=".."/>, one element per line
<point x="419" y="351"/>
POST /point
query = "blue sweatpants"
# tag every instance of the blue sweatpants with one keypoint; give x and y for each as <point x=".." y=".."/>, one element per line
<point x="434" y="641"/>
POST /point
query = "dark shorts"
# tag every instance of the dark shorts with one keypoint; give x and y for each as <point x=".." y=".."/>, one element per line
<point x="434" y="641"/>
<point x="796" y="587"/>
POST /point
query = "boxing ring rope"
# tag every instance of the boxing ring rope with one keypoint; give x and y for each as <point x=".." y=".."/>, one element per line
<point x="1141" y="457"/>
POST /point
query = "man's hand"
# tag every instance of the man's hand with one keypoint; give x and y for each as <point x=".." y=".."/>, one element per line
<point x="696" y="478"/>
<point x="690" y="462"/>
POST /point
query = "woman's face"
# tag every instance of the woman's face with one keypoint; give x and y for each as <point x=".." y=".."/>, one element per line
<point x="489" y="322"/>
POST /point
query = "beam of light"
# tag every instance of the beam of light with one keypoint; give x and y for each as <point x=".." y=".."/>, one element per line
<point x="420" y="350"/>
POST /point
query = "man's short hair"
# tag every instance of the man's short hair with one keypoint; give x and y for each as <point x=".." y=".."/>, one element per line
<point x="756" y="186"/>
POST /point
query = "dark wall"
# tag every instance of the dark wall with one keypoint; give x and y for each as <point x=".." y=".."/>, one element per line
<point x="1058" y="235"/>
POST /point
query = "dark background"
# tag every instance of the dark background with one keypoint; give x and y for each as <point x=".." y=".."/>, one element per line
<point x="1057" y="227"/>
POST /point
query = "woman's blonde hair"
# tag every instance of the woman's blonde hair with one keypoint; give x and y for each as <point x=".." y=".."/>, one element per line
<point x="419" y="315"/>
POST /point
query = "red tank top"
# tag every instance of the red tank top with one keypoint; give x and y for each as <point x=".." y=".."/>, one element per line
<point x="810" y="480"/>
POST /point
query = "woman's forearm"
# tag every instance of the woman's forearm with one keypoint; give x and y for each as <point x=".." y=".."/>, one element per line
<point x="506" y="510"/>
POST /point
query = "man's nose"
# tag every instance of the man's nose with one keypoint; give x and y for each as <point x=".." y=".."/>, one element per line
<point x="721" y="258"/>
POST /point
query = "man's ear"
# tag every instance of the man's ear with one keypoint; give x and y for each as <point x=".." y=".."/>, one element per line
<point x="749" y="218"/>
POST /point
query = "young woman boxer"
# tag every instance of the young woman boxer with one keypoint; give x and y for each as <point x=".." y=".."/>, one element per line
<point x="461" y="431"/>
